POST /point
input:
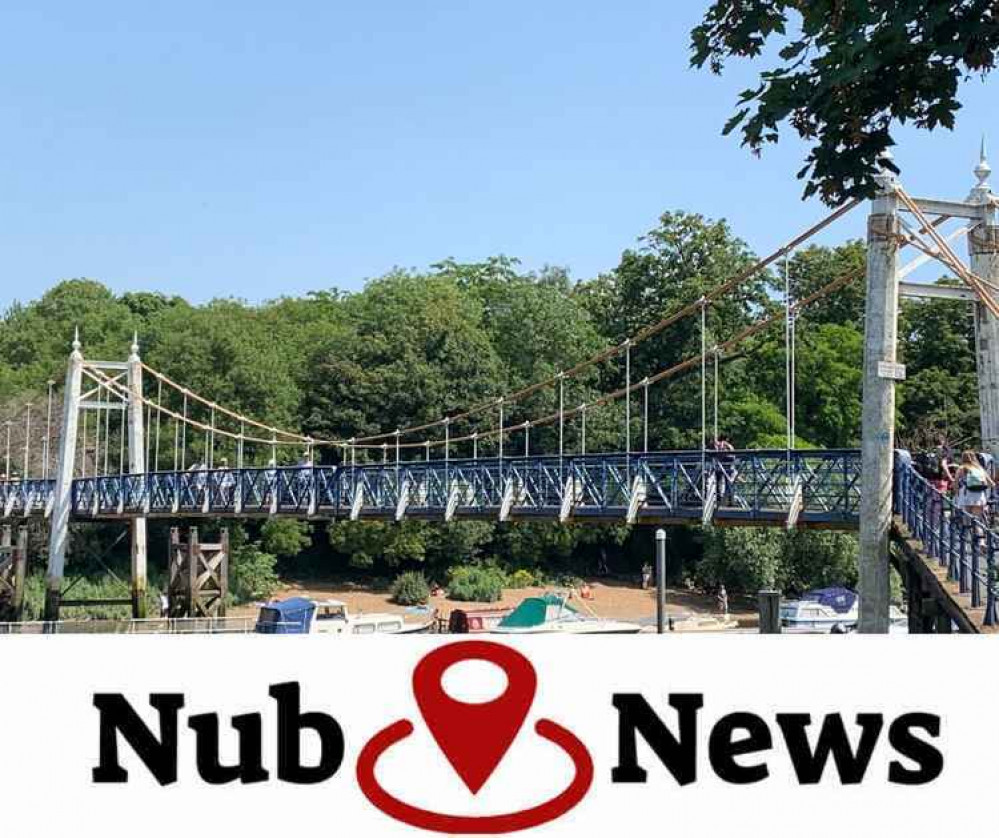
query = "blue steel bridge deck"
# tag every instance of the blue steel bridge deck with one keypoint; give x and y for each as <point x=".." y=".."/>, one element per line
<point x="658" y="487"/>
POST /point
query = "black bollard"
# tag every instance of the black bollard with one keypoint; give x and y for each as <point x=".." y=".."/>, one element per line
<point x="661" y="581"/>
<point x="769" y="607"/>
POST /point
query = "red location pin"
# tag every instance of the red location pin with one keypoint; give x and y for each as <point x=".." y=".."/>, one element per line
<point x="474" y="737"/>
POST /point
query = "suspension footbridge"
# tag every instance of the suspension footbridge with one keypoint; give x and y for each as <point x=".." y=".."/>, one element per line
<point x="134" y="444"/>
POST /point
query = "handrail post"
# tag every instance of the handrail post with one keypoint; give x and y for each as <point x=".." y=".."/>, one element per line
<point x="990" y="580"/>
<point x="976" y="591"/>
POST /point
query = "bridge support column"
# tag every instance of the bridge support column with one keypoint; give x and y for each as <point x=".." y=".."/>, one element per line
<point x="983" y="259"/>
<point x="878" y="420"/>
<point x="198" y="575"/>
<point x="62" y="500"/>
<point x="13" y="570"/>
<point x="137" y="465"/>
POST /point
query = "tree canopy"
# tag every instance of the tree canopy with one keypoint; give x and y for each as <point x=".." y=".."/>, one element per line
<point x="412" y="346"/>
<point x="843" y="72"/>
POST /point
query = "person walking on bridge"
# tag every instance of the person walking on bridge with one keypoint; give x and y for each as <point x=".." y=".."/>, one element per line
<point x="973" y="484"/>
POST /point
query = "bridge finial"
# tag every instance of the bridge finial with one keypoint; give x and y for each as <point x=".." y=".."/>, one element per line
<point x="134" y="349"/>
<point x="886" y="178"/>
<point x="982" y="171"/>
<point x="76" y="345"/>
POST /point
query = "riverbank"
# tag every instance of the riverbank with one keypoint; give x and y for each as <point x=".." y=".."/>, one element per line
<point x="610" y="598"/>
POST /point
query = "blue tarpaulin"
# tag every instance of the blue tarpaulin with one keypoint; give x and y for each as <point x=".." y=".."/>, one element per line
<point x="840" y="600"/>
<point x="288" y="616"/>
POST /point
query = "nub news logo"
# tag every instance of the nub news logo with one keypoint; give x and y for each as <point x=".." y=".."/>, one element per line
<point x="474" y="738"/>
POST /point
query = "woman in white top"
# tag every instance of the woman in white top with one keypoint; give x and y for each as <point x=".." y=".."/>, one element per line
<point x="973" y="483"/>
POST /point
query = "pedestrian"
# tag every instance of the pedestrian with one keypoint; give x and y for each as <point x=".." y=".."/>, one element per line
<point x="943" y="466"/>
<point x="725" y="468"/>
<point x="646" y="576"/>
<point x="722" y="599"/>
<point x="227" y="482"/>
<point x="973" y="484"/>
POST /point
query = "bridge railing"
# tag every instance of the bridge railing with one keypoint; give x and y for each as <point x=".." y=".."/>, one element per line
<point x="25" y="497"/>
<point x="968" y="547"/>
<point x="749" y="485"/>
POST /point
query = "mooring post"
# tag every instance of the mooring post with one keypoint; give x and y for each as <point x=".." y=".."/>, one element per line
<point x="62" y="501"/>
<point x="768" y="603"/>
<point x="193" y="566"/>
<point x="878" y="418"/>
<point x="223" y="572"/>
<point x="137" y="466"/>
<point x="20" y="574"/>
<point x="661" y="581"/>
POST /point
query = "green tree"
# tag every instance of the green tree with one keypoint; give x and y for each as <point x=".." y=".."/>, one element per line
<point x="675" y="264"/>
<point x="845" y="71"/>
<point x="937" y="340"/>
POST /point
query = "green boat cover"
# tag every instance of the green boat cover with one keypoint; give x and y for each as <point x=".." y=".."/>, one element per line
<point x="534" y="611"/>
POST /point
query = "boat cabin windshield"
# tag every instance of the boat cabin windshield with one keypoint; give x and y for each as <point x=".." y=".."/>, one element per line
<point x="331" y="612"/>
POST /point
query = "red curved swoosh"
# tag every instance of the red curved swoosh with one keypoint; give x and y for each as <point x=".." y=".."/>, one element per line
<point x="475" y="824"/>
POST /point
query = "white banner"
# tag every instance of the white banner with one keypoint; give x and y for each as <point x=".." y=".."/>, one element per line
<point x="602" y="704"/>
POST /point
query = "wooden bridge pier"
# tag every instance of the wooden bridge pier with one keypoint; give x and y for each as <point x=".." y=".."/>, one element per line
<point x="198" y="575"/>
<point x="13" y="570"/>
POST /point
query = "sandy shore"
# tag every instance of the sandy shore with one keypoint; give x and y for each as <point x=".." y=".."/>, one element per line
<point x="611" y="599"/>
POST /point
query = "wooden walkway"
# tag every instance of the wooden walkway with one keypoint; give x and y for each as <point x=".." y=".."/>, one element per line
<point x="935" y="602"/>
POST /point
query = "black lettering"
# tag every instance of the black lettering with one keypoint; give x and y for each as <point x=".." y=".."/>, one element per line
<point x="678" y="755"/>
<point x="158" y="755"/>
<point x="250" y="767"/>
<point x="929" y="759"/>
<point x="833" y="739"/>
<point x="291" y="723"/>
<point x="723" y="748"/>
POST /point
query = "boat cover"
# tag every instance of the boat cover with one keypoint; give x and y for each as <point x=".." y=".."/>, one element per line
<point x="533" y="611"/>
<point x="841" y="600"/>
<point x="289" y="616"/>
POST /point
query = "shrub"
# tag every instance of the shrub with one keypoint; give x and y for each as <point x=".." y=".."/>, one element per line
<point x="251" y="573"/>
<point x="410" y="588"/>
<point x="567" y="580"/>
<point x="284" y="537"/>
<point x="476" y="584"/>
<point x="521" y="578"/>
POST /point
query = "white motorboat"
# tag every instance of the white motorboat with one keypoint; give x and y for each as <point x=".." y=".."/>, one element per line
<point x="329" y="616"/>
<point x="552" y="614"/>
<point x="821" y="611"/>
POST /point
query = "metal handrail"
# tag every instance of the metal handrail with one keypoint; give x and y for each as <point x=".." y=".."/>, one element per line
<point x="967" y="546"/>
<point x="150" y="625"/>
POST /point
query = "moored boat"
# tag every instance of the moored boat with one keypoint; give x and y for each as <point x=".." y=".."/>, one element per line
<point x="821" y="610"/>
<point x="553" y="614"/>
<point x="331" y="616"/>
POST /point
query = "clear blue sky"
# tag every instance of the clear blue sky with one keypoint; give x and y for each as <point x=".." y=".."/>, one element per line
<point x="258" y="148"/>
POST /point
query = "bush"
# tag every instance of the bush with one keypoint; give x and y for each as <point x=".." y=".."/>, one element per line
<point x="521" y="578"/>
<point x="410" y="588"/>
<point x="251" y="573"/>
<point x="284" y="537"/>
<point x="476" y="584"/>
<point x="567" y="580"/>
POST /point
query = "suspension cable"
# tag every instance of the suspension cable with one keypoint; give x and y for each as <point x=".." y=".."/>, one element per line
<point x="683" y="366"/>
<point x="294" y="438"/>
<point x="159" y="416"/>
<point x="642" y="335"/>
